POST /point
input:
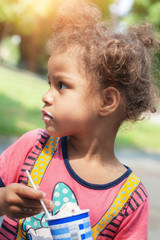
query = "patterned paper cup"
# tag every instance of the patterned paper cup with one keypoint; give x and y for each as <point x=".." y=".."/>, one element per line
<point x="76" y="227"/>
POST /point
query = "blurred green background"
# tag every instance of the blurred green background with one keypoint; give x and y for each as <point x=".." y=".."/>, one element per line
<point x="25" y="27"/>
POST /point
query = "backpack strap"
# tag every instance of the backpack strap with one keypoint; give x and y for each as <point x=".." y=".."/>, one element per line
<point x="38" y="171"/>
<point x="118" y="203"/>
<point x="43" y="160"/>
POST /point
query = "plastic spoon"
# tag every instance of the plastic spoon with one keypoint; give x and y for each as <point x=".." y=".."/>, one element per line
<point x="41" y="201"/>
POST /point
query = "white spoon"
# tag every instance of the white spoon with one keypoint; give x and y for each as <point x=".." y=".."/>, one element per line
<point x="41" y="201"/>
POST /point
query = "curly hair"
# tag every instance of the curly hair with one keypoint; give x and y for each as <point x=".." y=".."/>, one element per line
<point x="122" y="60"/>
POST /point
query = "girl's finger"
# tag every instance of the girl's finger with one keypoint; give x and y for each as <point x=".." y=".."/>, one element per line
<point x="22" y="212"/>
<point x="31" y="211"/>
<point x="29" y="203"/>
<point x="28" y="192"/>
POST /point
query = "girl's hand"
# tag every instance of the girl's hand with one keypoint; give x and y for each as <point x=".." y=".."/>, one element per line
<point x="20" y="201"/>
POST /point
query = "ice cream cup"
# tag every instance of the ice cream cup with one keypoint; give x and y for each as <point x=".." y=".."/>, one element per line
<point x="75" y="227"/>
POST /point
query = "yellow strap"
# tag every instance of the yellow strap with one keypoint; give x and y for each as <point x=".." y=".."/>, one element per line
<point x="38" y="171"/>
<point x="122" y="197"/>
<point x="43" y="160"/>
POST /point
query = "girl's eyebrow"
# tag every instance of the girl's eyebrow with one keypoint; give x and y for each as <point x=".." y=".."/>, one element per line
<point x="61" y="76"/>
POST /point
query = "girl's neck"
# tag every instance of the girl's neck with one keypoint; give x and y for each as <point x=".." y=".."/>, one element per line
<point x="99" y="148"/>
<point x="93" y="159"/>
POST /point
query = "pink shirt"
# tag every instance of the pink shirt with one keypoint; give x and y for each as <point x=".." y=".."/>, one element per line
<point x="62" y="184"/>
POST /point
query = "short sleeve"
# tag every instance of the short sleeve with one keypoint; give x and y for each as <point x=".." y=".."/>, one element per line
<point x="12" y="159"/>
<point x="135" y="225"/>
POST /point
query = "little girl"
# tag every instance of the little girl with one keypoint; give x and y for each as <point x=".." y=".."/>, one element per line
<point x="98" y="78"/>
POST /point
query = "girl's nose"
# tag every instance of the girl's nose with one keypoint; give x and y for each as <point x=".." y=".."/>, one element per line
<point x="47" y="98"/>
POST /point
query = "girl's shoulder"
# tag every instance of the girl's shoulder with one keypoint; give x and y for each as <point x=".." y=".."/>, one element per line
<point x="19" y="150"/>
<point x="29" y="139"/>
<point x="25" y="149"/>
<point x="34" y="135"/>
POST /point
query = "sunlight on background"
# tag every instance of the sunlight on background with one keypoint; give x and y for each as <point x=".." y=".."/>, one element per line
<point x="25" y="25"/>
<point x="39" y="7"/>
<point x="121" y="7"/>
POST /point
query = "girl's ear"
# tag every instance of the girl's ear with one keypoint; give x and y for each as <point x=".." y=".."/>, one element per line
<point x="110" y="101"/>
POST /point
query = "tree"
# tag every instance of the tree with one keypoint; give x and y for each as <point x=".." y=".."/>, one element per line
<point x="28" y="19"/>
<point x="146" y="10"/>
<point x="32" y="21"/>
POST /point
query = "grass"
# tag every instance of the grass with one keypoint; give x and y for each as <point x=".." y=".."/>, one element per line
<point x="20" y="97"/>
<point x="144" y="135"/>
<point x="20" y="104"/>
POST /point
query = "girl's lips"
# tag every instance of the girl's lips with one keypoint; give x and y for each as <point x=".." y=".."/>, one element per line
<point x="47" y="116"/>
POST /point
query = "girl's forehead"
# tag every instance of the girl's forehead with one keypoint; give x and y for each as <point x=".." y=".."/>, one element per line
<point x="66" y="61"/>
<point x="59" y="59"/>
<point x="73" y="51"/>
<point x="63" y="64"/>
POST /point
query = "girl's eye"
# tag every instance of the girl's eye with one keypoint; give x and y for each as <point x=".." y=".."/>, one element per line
<point x="62" y="86"/>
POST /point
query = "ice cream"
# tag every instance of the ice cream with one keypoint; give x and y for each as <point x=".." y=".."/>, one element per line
<point x="70" y="222"/>
<point x="68" y="209"/>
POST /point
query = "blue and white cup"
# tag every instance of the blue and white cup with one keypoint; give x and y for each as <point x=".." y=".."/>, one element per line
<point x="76" y="227"/>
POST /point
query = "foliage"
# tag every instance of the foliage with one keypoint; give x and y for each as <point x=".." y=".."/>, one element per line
<point x="28" y="19"/>
<point x="32" y="20"/>
<point x="147" y="11"/>
<point x="9" y="51"/>
<point x="24" y="15"/>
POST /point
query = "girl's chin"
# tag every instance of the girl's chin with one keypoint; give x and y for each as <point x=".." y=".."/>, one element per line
<point x="52" y="133"/>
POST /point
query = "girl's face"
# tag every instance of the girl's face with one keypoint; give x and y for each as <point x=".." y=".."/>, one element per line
<point x="71" y="103"/>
